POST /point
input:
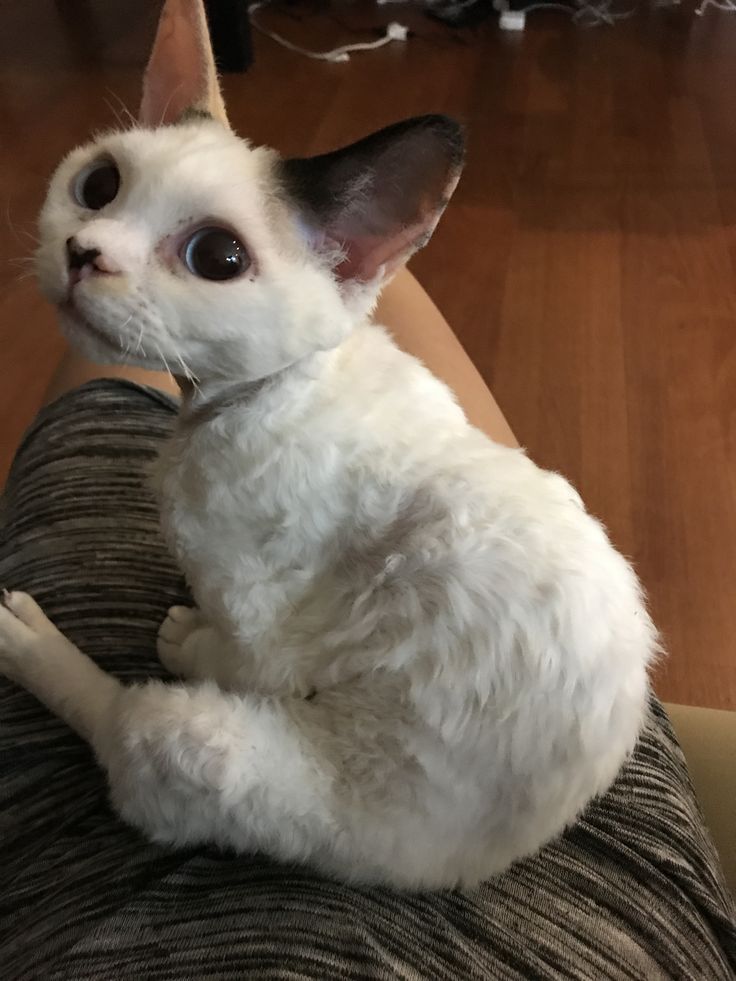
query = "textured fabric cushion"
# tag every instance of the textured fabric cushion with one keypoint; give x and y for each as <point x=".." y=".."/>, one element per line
<point x="633" y="890"/>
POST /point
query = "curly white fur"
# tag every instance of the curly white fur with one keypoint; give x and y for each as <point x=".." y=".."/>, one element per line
<point x="415" y="657"/>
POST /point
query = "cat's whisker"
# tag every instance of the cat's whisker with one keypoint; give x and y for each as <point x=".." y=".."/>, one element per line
<point x="166" y="363"/>
<point x="22" y="261"/>
<point x="165" y="109"/>
<point x="24" y="269"/>
<point x="124" y="109"/>
<point x="114" y="111"/>
<point x="126" y="349"/>
<point x="15" y="230"/>
<point x="188" y="373"/>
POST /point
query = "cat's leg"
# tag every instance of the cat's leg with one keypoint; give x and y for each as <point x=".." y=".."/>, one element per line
<point x="190" y="647"/>
<point x="329" y="780"/>
<point x="185" y="764"/>
<point x="38" y="657"/>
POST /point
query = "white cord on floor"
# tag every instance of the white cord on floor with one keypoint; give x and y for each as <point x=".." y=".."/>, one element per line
<point x="718" y="4"/>
<point x="590" y="13"/>
<point x="394" y="32"/>
<point x="594" y="14"/>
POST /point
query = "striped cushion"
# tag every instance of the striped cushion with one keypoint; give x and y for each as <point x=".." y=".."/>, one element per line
<point x="633" y="890"/>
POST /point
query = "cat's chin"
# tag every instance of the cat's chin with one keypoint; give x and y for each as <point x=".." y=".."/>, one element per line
<point x="91" y="341"/>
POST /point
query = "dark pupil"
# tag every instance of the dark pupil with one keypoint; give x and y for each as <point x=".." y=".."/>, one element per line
<point x="215" y="254"/>
<point x="101" y="186"/>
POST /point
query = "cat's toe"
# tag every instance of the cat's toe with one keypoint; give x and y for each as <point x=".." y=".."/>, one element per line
<point x="184" y="615"/>
<point x="180" y="622"/>
<point x="26" y="609"/>
<point x="15" y="637"/>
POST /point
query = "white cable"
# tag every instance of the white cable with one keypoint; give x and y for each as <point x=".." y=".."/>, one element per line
<point x="394" y="32"/>
<point x="590" y="14"/>
<point x="546" y="6"/>
<point x="718" y="4"/>
<point x="595" y="14"/>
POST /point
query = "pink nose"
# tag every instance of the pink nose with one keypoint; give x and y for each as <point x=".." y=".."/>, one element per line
<point x="86" y="262"/>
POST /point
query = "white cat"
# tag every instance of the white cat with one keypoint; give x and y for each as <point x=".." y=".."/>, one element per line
<point x="415" y="657"/>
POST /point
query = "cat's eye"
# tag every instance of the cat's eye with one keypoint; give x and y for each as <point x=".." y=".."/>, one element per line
<point x="97" y="185"/>
<point x="215" y="253"/>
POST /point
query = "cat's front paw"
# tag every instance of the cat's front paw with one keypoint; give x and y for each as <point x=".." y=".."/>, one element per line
<point x="176" y="655"/>
<point x="190" y="647"/>
<point x="24" y="629"/>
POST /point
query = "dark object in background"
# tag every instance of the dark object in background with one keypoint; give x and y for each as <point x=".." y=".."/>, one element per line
<point x="229" y="26"/>
<point x="459" y="13"/>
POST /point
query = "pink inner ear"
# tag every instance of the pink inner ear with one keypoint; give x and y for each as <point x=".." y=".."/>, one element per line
<point x="376" y="201"/>
<point x="181" y="72"/>
<point x="367" y="254"/>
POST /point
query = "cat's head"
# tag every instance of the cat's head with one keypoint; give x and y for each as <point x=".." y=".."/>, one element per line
<point x="177" y="244"/>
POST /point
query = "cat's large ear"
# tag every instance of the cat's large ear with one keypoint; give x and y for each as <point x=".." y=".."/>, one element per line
<point x="181" y="75"/>
<point x="377" y="201"/>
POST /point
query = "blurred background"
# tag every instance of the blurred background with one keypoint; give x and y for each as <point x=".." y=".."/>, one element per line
<point x="586" y="261"/>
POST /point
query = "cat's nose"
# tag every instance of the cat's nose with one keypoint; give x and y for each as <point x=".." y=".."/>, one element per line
<point x="83" y="261"/>
<point x="79" y="257"/>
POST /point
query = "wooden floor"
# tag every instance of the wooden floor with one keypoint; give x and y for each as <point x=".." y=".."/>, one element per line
<point x="587" y="262"/>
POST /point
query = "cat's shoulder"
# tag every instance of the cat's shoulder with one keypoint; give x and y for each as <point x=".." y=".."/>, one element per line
<point x="370" y="360"/>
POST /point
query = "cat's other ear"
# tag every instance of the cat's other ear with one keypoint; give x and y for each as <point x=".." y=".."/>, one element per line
<point x="378" y="201"/>
<point x="180" y="77"/>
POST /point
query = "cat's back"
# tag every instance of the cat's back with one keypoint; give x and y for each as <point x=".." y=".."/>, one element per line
<point x="502" y="544"/>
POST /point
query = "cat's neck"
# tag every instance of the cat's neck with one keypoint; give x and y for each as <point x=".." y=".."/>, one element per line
<point x="204" y="401"/>
<point x="202" y="404"/>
